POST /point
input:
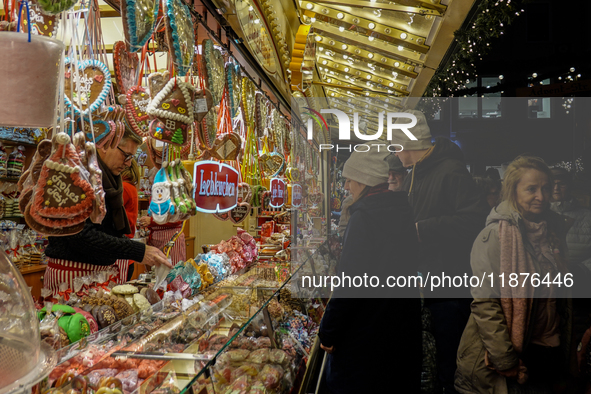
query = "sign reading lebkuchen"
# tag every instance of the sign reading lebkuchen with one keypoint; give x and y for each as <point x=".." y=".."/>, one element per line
<point x="215" y="186"/>
<point x="278" y="192"/>
<point x="296" y="195"/>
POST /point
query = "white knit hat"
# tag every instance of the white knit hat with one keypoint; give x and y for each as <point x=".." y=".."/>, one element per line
<point x="368" y="168"/>
<point x="421" y="131"/>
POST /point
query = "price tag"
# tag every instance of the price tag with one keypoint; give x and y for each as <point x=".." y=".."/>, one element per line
<point x="200" y="106"/>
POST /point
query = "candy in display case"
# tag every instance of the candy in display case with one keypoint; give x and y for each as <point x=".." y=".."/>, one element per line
<point x="24" y="358"/>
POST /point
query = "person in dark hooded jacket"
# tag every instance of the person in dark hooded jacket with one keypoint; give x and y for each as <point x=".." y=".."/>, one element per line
<point x="449" y="212"/>
<point x="374" y="344"/>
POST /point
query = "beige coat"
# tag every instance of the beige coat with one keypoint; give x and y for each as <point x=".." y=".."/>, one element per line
<point x="487" y="329"/>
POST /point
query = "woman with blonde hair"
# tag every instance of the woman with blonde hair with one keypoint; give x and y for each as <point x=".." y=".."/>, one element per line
<point x="517" y="337"/>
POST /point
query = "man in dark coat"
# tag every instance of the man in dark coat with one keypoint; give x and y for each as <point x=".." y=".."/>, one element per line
<point x="102" y="244"/>
<point x="449" y="212"/>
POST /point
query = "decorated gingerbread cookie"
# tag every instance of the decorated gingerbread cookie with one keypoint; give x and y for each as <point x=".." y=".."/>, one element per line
<point x="172" y="106"/>
<point x="91" y="82"/>
<point x="63" y="192"/>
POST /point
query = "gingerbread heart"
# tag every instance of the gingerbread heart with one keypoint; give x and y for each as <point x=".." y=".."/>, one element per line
<point x="62" y="193"/>
<point x="293" y="174"/>
<point x="271" y="163"/>
<point x="139" y="18"/>
<point x="180" y="34"/>
<point x="92" y="84"/>
<point x="126" y="66"/>
<point x="202" y="104"/>
<point x="213" y="68"/>
<point x="226" y="147"/>
<point x="41" y="23"/>
<point x="243" y="192"/>
<point x="157" y="81"/>
<point x="101" y="129"/>
<point x="241" y="212"/>
<point x="136" y="110"/>
<point x="222" y="216"/>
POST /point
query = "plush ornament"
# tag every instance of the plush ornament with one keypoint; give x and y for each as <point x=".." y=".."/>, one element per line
<point x="161" y="205"/>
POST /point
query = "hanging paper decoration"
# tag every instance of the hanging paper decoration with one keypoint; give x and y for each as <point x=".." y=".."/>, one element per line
<point x="42" y="24"/>
<point x="139" y="18"/>
<point x="172" y="105"/>
<point x="91" y="80"/>
<point x="54" y="7"/>
<point x="180" y="35"/>
<point x="126" y="66"/>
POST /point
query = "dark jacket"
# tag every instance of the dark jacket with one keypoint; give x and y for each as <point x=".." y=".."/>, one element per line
<point x="450" y="211"/>
<point x="96" y="244"/>
<point x="377" y="341"/>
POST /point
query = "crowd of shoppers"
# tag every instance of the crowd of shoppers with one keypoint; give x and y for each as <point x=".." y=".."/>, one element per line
<point x="494" y="338"/>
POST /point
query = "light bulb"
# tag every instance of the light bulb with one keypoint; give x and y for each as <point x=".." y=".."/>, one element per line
<point x="340" y="15"/>
<point x="391" y="84"/>
<point x="312" y="20"/>
<point x="341" y="29"/>
<point x="501" y="77"/>
<point x="328" y="80"/>
<point x="309" y="6"/>
<point x="397" y="64"/>
<point x="346" y="69"/>
<point x="370" y="38"/>
<point x="371" y="25"/>
<point x="370" y="55"/>
<point x="400" y="47"/>
<point x="318" y="38"/>
<point x="324" y="62"/>
<point x="344" y="46"/>
<point x="403" y="35"/>
<point x="368" y="76"/>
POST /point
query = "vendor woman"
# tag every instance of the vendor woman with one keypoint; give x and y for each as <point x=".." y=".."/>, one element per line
<point x="98" y="247"/>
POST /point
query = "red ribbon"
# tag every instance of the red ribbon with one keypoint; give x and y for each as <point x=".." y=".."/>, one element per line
<point x="15" y="251"/>
<point x="65" y="294"/>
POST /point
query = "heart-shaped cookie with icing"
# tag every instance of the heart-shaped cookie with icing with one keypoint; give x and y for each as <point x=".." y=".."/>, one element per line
<point x="241" y="212"/>
<point x="139" y="18"/>
<point x="91" y="82"/>
<point x="243" y="192"/>
<point x="126" y="65"/>
<point x="41" y="23"/>
<point x="222" y="216"/>
<point x="293" y="174"/>
<point x="180" y="34"/>
<point x="136" y="110"/>
<point x="226" y="147"/>
<point x="271" y="163"/>
<point x="62" y="195"/>
<point x="101" y="129"/>
<point x="172" y="107"/>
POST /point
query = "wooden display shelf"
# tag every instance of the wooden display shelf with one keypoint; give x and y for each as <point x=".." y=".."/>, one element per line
<point x="9" y="179"/>
<point x="15" y="143"/>
<point x="33" y="276"/>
